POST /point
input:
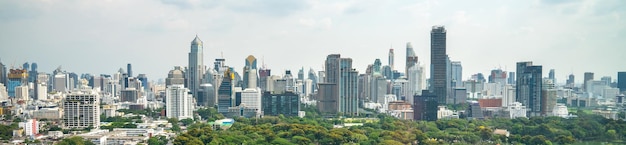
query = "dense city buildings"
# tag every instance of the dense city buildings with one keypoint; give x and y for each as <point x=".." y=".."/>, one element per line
<point x="438" y="59"/>
<point x="587" y="77"/>
<point x="339" y="89"/>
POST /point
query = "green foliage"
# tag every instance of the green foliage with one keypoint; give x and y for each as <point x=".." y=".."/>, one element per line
<point x="76" y="140"/>
<point x="187" y="121"/>
<point x="313" y="129"/>
<point x="158" y="140"/>
<point x="209" y="114"/>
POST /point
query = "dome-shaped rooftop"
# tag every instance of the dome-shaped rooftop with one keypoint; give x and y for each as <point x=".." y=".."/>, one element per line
<point x="176" y="73"/>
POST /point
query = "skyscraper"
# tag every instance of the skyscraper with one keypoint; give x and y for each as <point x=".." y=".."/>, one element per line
<point x="497" y="76"/>
<point x="457" y="74"/>
<point x="178" y="102"/>
<point x="175" y="77"/>
<point x="528" y="87"/>
<point x="249" y="73"/>
<point x="264" y="74"/>
<point x="411" y="58"/>
<point x="391" y="59"/>
<point x="438" y="60"/>
<point x="313" y="79"/>
<point x="3" y="74"/>
<point x="570" y="81"/>
<point x="425" y="106"/>
<point x="339" y="89"/>
<point x="196" y="66"/>
<point x="588" y="77"/>
<point x="17" y="77"/>
<point x="551" y="76"/>
<point x="511" y="80"/>
<point x="621" y="81"/>
<point x="225" y="93"/>
<point x="129" y="69"/>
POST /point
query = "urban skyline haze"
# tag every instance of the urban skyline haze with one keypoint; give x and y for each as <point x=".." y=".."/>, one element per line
<point x="99" y="37"/>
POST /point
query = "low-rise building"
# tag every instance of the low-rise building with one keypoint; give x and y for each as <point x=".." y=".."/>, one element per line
<point x="48" y="113"/>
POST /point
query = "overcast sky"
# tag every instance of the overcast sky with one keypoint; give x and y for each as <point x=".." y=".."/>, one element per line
<point x="571" y="36"/>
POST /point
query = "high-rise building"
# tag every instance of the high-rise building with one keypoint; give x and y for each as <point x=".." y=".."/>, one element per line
<point x="3" y="74"/>
<point x="21" y="93"/>
<point x="497" y="76"/>
<point x="313" y="77"/>
<point x="570" y="81"/>
<point x="17" y="77"/>
<point x="249" y="73"/>
<point x="607" y="80"/>
<point x="621" y="81"/>
<point x="175" y="77"/>
<point x="411" y="58"/>
<point x="512" y="77"/>
<point x="438" y="60"/>
<point x="417" y="81"/>
<point x="251" y="97"/>
<point x="552" y="76"/>
<point x="81" y="110"/>
<point x="225" y="93"/>
<point x="528" y="87"/>
<point x="264" y="73"/>
<point x="391" y="59"/>
<point x="206" y="95"/>
<point x="129" y="95"/>
<point x="129" y="69"/>
<point x="588" y="77"/>
<point x="196" y="66"/>
<point x="340" y="86"/>
<point x="549" y="99"/>
<point x="144" y="82"/>
<point x="301" y="74"/>
<point x="457" y="74"/>
<point x="178" y="102"/>
<point x="32" y="74"/>
<point x="425" y="106"/>
<point x="287" y="104"/>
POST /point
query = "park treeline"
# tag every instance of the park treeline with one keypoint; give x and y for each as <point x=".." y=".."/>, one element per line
<point x="313" y="129"/>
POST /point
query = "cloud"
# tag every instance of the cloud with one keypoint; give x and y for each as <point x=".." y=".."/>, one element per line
<point x="325" y="23"/>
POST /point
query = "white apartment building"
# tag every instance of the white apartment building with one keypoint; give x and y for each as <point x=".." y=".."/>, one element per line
<point x="178" y="102"/>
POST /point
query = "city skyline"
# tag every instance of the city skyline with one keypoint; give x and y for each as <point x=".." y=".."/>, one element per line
<point x="581" y="34"/>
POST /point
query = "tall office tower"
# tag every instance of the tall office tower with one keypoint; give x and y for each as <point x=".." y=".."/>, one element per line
<point x="206" y="95"/>
<point x="301" y="74"/>
<point x="175" y="77"/>
<point x="551" y="75"/>
<point x="220" y="65"/>
<point x="607" y="80"/>
<point x="378" y="89"/>
<point x="528" y="87"/>
<point x="338" y="93"/>
<point x="313" y="79"/>
<point x="17" y="77"/>
<point x="411" y="58"/>
<point x="621" y="81"/>
<point x="391" y="59"/>
<point x="179" y="103"/>
<point x="144" y="82"/>
<point x="511" y="80"/>
<point x="287" y="104"/>
<point x="251" y="97"/>
<point x="425" y="106"/>
<point x="438" y="60"/>
<point x="457" y="74"/>
<point x="264" y="74"/>
<point x="570" y="81"/>
<point x="3" y="74"/>
<point x="416" y="80"/>
<point x="72" y="81"/>
<point x="81" y="110"/>
<point x="32" y="74"/>
<point x="497" y="76"/>
<point x="548" y="91"/>
<point x="249" y="73"/>
<point x="129" y="69"/>
<point x="291" y="83"/>
<point x="387" y="72"/>
<point x="225" y="93"/>
<point x="196" y="66"/>
<point x="348" y="93"/>
<point x="588" y="77"/>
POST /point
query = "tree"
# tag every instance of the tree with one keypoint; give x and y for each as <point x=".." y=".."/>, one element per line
<point x="187" y="121"/>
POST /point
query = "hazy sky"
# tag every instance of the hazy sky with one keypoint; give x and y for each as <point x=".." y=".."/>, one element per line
<point x="571" y="36"/>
